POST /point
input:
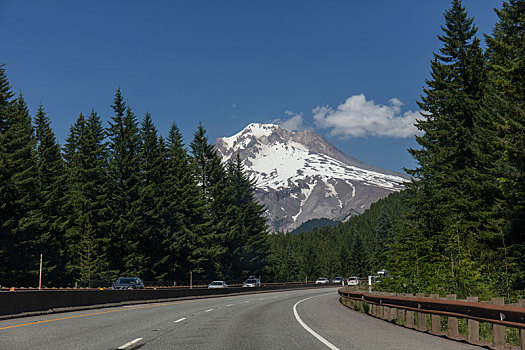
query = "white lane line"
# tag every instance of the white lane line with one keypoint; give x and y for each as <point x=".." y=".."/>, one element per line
<point x="208" y="310"/>
<point x="127" y="345"/>
<point x="180" y="320"/>
<point x="311" y="331"/>
<point x="246" y="301"/>
<point x="229" y="305"/>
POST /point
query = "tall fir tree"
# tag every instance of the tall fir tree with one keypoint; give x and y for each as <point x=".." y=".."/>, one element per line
<point x="212" y="180"/>
<point x="51" y="191"/>
<point x="444" y="195"/>
<point x="6" y="185"/>
<point x="503" y="117"/>
<point x="124" y="184"/>
<point x="21" y="218"/>
<point x="87" y="203"/>
<point x="151" y="192"/>
<point x="248" y="243"/>
<point x="185" y="216"/>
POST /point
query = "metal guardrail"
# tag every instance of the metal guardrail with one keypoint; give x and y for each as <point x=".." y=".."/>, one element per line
<point x="401" y="308"/>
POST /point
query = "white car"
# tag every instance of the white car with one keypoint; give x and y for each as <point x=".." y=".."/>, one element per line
<point x="217" y="284"/>
<point x="322" y="280"/>
<point x="353" y="281"/>
<point x="251" y="283"/>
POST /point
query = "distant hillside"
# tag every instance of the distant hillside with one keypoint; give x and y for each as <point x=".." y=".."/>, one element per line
<point x="356" y="247"/>
<point x="313" y="224"/>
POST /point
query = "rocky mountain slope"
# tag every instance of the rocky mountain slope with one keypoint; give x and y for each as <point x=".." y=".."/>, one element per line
<point x="301" y="176"/>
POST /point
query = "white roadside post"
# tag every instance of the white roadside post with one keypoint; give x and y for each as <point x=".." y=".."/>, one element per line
<point x="369" y="283"/>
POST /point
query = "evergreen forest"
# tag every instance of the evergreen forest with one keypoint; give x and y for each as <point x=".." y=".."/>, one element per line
<point x="459" y="227"/>
<point x="121" y="199"/>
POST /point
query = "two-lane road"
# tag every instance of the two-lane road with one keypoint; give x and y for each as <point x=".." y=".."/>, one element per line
<point x="300" y="319"/>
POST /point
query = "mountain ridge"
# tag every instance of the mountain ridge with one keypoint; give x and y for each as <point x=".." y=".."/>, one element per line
<point x="300" y="176"/>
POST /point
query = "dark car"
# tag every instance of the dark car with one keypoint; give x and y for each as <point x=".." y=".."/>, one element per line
<point x="338" y="280"/>
<point x="127" y="283"/>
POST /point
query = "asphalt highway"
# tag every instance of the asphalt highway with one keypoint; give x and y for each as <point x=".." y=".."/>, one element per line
<point x="299" y="319"/>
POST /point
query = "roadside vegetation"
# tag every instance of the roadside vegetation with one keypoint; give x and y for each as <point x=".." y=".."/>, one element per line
<point x="120" y="200"/>
<point x="459" y="227"/>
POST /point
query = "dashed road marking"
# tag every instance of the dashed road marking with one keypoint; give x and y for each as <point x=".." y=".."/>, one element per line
<point x="180" y="320"/>
<point x="229" y="305"/>
<point x="208" y="310"/>
<point x="246" y="301"/>
<point x="127" y="345"/>
<point x="101" y="313"/>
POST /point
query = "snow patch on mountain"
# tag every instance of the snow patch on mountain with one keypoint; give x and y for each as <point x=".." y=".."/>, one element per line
<point x="301" y="176"/>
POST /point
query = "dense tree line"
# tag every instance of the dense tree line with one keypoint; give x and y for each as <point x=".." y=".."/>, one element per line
<point x="460" y="226"/>
<point x="120" y="200"/>
<point x="357" y="247"/>
<point x="466" y="233"/>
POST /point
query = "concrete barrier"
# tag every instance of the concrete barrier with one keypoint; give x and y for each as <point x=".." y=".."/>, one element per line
<point x="31" y="302"/>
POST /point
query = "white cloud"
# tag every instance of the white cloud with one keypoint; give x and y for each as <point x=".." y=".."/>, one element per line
<point x="358" y="117"/>
<point x="295" y="123"/>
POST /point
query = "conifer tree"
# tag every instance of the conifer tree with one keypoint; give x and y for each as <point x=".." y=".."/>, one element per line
<point x="152" y="165"/>
<point x="185" y="219"/>
<point x="21" y="223"/>
<point x="124" y="183"/>
<point x="6" y="185"/>
<point x="87" y="202"/>
<point x="212" y="180"/>
<point x="248" y="243"/>
<point x="51" y="191"/>
<point x="444" y="195"/>
<point x="503" y="145"/>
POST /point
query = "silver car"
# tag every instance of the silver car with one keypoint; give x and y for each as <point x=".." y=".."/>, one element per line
<point x="217" y="284"/>
<point x="252" y="283"/>
<point x="338" y="280"/>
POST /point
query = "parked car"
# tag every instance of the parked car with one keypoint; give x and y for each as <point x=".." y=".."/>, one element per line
<point x="217" y="284"/>
<point x="128" y="283"/>
<point x="322" y="280"/>
<point x="338" y="280"/>
<point x="353" y="281"/>
<point x="251" y="283"/>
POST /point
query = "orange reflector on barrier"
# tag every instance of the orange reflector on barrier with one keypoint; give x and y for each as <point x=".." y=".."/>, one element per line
<point x="12" y="290"/>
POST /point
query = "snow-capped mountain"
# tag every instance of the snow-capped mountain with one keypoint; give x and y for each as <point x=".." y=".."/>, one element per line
<point x="301" y="176"/>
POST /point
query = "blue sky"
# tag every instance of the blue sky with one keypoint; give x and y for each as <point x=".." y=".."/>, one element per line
<point x="349" y="70"/>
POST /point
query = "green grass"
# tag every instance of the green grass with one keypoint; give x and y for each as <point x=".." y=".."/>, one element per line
<point x="512" y="335"/>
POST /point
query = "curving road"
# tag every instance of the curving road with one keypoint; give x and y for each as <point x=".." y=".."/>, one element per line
<point x="300" y="319"/>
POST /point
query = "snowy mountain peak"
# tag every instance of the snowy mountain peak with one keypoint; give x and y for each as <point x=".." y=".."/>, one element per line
<point x="301" y="176"/>
<point x="253" y="130"/>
